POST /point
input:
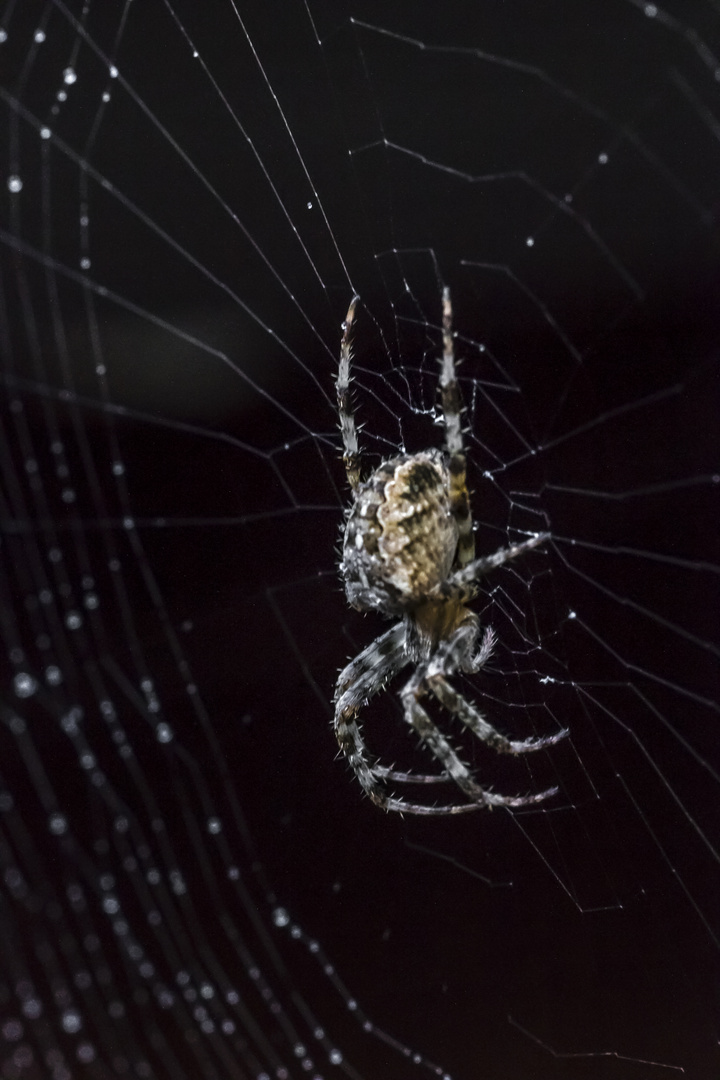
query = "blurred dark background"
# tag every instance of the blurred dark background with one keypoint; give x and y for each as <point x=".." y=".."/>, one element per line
<point x="229" y="203"/>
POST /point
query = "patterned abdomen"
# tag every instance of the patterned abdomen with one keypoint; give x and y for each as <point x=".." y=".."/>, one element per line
<point x="401" y="538"/>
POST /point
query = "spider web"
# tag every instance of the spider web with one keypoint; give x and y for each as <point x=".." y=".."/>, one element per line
<point x="193" y="884"/>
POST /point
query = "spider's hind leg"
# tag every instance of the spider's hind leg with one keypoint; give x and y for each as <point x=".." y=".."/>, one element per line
<point x="348" y="428"/>
<point x="452" y="413"/>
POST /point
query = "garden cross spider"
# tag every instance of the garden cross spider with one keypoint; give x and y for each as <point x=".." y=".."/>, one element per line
<point x="409" y="552"/>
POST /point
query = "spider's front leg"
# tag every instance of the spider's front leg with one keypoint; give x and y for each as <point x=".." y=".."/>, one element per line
<point x="457" y="654"/>
<point x="357" y="683"/>
<point x="438" y="745"/>
<point x="451" y="763"/>
<point x="370" y="670"/>
<point x="473" y="719"/>
<point x="364" y="677"/>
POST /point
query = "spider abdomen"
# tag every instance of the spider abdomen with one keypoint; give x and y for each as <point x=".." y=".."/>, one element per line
<point x="401" y="536"/>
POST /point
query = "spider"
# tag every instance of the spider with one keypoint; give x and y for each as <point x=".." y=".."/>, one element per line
<point x="408" y="552"/>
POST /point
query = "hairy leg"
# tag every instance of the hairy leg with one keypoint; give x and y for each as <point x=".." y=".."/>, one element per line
<point x="437" y="743"/>
<point x="473" y="719"/>
<point x="452" y="413"/>
<point x="457" y="652"/>
<point x="351" y="455"/>
<point x="370" y="670"/>
<point x="359" y="681"/>
<point x="463" y="583"/>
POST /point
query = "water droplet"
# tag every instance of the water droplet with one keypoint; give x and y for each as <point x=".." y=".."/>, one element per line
<point x="58" y="824"/>
<point x="12" y="1030"/>
<point x="25" y="685"/>
<point x="71" y="1022"/>
<point x="177" y="883"/>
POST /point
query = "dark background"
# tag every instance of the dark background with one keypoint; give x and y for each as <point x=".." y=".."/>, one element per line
<point x="581" y="941"/>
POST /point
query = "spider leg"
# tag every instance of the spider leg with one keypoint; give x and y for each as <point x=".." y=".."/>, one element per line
<point x="359" y="681"/>
<point x="421" y="809"/>
<point x="409" y="777"/>
<point x="456" y="653"/>
<point x="369" y="671"/>
<point x="453" y="767"/>
<point x="473" y="719"/>
<point x="351" y="456"/>
<point x="457" y="704"/>
<point x="481" y="657"/>
<point x="439" y="746"/>
<point x="353" y="746"/>
<point x="463" y="583"/>
<point x="452" y="414"/>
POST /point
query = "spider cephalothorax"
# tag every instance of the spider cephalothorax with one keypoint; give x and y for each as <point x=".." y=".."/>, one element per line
<point x="409" y="553"/>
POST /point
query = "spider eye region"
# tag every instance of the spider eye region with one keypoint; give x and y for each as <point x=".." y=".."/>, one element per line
<point x="401" y="537"/>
